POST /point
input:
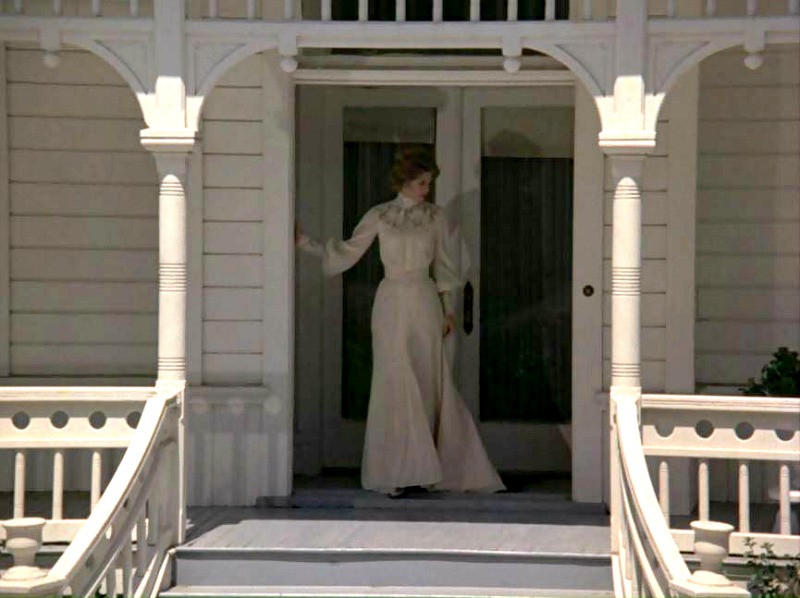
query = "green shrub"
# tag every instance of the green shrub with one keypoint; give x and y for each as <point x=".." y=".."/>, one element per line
<point x="771" y="576"/>
<point x="779" y="378"/>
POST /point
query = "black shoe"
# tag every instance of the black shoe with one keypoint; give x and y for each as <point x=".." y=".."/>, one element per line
<point x="416" y="490"/>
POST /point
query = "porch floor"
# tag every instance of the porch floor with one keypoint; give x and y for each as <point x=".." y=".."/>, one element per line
<point x="331" y="512"/>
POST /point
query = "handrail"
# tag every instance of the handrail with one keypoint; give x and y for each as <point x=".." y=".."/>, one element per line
<point x="131" y="501"/>
<point x="646" y="553"/>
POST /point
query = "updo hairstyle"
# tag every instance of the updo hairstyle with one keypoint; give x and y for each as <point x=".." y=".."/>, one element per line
<point x="410" y="162"/>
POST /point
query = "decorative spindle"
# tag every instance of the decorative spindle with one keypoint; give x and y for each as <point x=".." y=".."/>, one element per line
<point x="400" y="10"/>
<point x="752" y="8"/>
<point x="744" y="497"/>
<point x="58" y="484"/>
<point x="550" y="10"/>
<point x="672" y="9"/>
<point x="513" y="10"/>
<point x="19" y="484"/>
<point x="58" y="8"/>
<point x="363" y="10"/>
<point x="794" y="7"/>
<point x="326" y="10"/>
<point x="97" y="475"/>
<point x="135" y="8"/>
<point x="437" y="11"/>
<point x="18" y="8"/>
<point x="785" y="504"/>
<point x="702" y="490"/>
<point x="126" y="561"/>
<point x="213" y="9"/>
<point x="250" y="9"/>
<point x="474" y="10"/>
<point x="711" y="8"/>
<point x="663" y="488"/>
<point x="97" y="8"/>
<point x="141" y="543"/>
<point x="588" y="10"/>
<point x="288" y="10"/>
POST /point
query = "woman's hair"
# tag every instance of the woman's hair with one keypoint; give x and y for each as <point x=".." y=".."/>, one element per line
<point x="411" y="162"/>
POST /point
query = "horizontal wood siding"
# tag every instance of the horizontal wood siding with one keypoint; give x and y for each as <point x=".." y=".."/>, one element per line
<point x="748" y="214"/>
<point x="83" y="225"/>
<point x="233" y="269"/>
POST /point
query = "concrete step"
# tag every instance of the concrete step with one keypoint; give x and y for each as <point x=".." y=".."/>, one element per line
<point x="387" y="572"/>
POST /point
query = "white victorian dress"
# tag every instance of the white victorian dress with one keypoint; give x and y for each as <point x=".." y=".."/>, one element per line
<point x="419" y="432"/>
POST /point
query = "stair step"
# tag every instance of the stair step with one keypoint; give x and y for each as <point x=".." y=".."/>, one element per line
<point x="387" y="572"/>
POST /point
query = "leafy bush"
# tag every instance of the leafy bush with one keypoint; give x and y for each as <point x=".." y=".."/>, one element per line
<point x="770" y="578"/>
<point x="779" y="378"/>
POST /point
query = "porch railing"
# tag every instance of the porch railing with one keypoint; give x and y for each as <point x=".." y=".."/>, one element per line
<point x="745" y="430"/>
<point x="712" y="8"/>
<point x="646" y="553"/>
<point x="123" y="543"/>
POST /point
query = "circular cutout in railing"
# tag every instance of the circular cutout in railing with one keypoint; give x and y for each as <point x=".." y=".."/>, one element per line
<point x="704" y="428"/>
<point x="97" y="420"/>
<point x="133" y="418"/>
<point x="21" y="420"/>
<point x="744" y="430"/>
<point x="785" y="435"/>
<point x="59" y="419"/>
<point x="665" y="430"/>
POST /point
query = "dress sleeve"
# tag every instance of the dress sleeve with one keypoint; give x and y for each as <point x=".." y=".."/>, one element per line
<point x="339" y="255"/>
<point x="444" y="272"/>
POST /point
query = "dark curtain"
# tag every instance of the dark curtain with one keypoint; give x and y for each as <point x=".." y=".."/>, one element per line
<point x="526" y="289"/>
<point x="453" y="10"/>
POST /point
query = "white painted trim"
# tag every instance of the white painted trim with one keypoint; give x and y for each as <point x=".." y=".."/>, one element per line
<point x="682" y="194"/>
<point x="5" y="236"/>
<point x="194" y="300"/>
<point x="588" y="422"/>
<point x="485" y="78"/>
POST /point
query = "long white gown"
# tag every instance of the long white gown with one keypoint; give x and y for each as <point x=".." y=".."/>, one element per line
<point x="419" y="432"/>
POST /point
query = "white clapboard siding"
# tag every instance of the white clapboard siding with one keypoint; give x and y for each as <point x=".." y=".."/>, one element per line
<point x="232" y="304"/>
<point x="743" y="205"/>
<point x="85" y="297"/>
<point x="69" y="265"/>
<point x="233" y="229"/>
<point x="748" y="212"/>
<point x="75" y="101"/>
<point x="87" y="199"/>
<point x="90" y="134"/>
<point x="748" y="304"/>
<point x="83" y="226"/>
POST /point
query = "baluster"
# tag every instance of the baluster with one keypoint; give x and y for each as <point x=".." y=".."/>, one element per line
<point x="111" y="579"/>
<point x="141" y="542"/>
<point x="550" y="10"/>
<point x="58" y="7"/>
<point x="588" y="12"/>
<point x="288" y="10"/>
<point x="702" y="490"/>
<point x="785" y="505"/>
<point x="19" y="484"/>
<point x="711" y="8"/>
<point x="794" y="7"/>
<point x="672" y="9"/>
<point x="153" y="511"/>
<point x="127" y="566"/>
<point x="213" y="9"/>
<point x="250" y="9"/>
<point x="400" y="10"/>
<point x="513" y="10"/>
<point x="752" y="8"/>
<point x="474" y="10"/>
<point x="326" y="10"/>
<point x="663" y="488"/>
<point x="58" y="484"/>
<point x="437" y="11"/>
<point x="744" y="497"/>
<point x="97" y="475"/>
<point x="18" y="7"/>
<point x="135" y="9"/>
<point x="97" y="8"/>
<point x="363" y="10"/>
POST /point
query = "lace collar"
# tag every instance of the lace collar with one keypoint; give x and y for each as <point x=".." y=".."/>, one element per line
<point x="403" y="213"/>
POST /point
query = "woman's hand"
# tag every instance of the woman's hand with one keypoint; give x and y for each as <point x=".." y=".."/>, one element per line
<point x="449" y="324"/>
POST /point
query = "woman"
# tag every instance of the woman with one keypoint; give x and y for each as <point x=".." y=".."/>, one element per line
<point x="419" y="432"/>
